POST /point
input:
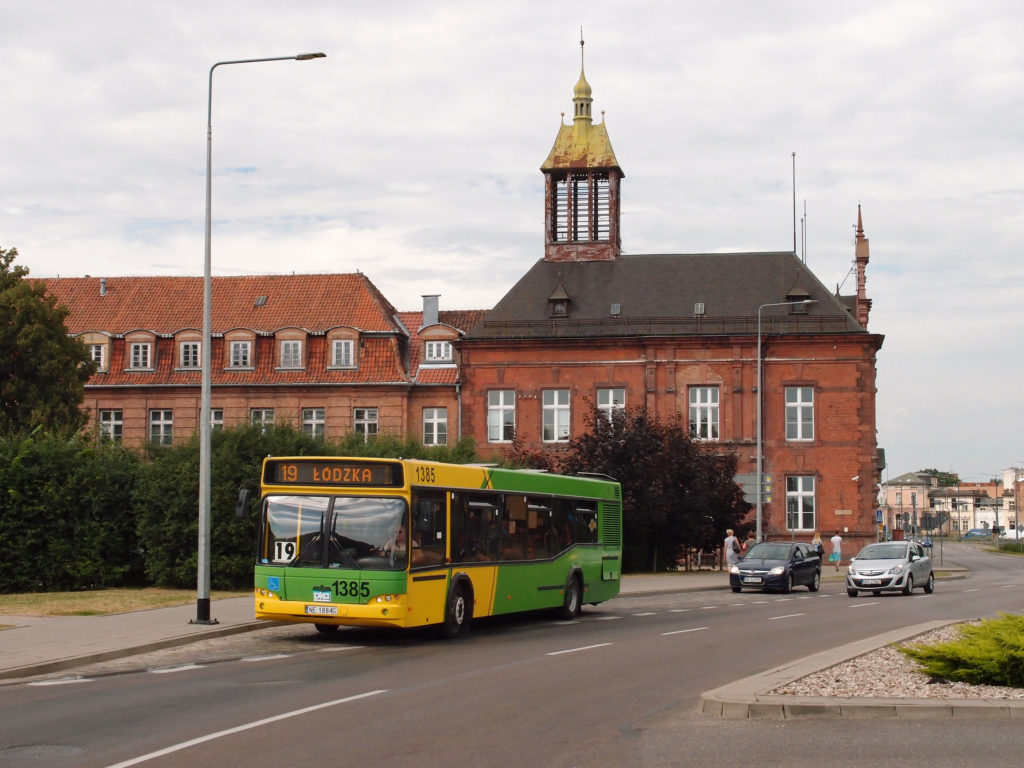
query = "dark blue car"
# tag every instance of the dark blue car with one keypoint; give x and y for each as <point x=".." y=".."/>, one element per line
<point x="777" y="565"/>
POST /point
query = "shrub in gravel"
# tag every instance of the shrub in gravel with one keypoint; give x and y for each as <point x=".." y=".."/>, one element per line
<point x="990" y="652"/>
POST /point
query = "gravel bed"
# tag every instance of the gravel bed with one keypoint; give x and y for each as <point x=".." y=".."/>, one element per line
<point x="888" y="673"/>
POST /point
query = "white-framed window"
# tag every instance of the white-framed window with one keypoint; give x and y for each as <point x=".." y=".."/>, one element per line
<point x="111" y="425"/>
<point x="140" y="355"/>
<point x="262" y="416"/>
<point x="799" y="413"/>
<point x="313" y="422"/>
<point x="704" y="413"/>
<point x="364" y="421"/>
<point x="161" y="426"/>
<point x="241" y="354"/>
<point x="611" y="400"/>
<point x="800" y="503"/>
<point x="556" y="415"/>
<point x="189" y="354"/>
<point x="98" y="354"/>
<point x="216" y="418"/>
<point x="501" y="415"/>
<point x="291" y="353"/>
<point x="435" y="426"/>
<point x="438" y="352"/>
<point x="342" y="353"/>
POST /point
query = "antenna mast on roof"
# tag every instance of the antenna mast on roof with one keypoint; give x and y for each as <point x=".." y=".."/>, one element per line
<point x="794" y="204"/>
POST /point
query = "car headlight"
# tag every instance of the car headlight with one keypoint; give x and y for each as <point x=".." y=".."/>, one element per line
<point x="777" y="570"/>
<point x="896" y="569"/>
<point x="734" y="569"/>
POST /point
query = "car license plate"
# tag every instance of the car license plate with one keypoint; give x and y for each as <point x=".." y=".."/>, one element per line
<point x="871" y="581"/>
<point x="321" y="610"/>
<point x="751" y="579"/>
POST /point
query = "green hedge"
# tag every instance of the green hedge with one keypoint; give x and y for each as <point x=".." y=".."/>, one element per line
<point x="80" y="515"/>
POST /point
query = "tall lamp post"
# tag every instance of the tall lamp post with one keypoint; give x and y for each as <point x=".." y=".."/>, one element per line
<point x="203" y="565"/>
<point x="760" y="398"/>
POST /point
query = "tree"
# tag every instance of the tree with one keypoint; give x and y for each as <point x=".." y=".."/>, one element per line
<point x="675" y="492"/>
<point x="43" y="370"/>
<point x="946" y="479"/>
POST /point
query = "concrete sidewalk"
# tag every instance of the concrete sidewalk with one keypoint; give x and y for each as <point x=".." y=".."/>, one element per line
<point x="38" y="645"/>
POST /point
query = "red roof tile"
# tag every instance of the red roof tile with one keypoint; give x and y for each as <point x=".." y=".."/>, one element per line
<point x="166" y="305"/>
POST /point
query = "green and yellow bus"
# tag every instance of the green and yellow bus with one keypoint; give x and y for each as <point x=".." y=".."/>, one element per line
<point x="404" y="543"/>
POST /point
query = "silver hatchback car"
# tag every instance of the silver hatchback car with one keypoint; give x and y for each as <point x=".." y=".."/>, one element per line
<point x="890" y="566"/>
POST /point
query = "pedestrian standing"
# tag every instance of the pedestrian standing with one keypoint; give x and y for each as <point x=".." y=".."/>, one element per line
<point x="732" y="548"/>
<point x="818" y="547"/>
<point x="749" y="542"/>
<point x="837" y="549"/>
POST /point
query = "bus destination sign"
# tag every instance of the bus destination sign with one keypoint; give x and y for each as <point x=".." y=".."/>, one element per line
<point x="341" y="472"/>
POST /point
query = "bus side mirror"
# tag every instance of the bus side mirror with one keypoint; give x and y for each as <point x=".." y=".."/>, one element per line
<point x="242" y="504"/>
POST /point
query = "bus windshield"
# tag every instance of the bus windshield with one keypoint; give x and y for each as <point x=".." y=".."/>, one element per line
<point x="361" y="532"/>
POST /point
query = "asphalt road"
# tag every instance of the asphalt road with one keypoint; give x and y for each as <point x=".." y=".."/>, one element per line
<point x="619" y="687"/>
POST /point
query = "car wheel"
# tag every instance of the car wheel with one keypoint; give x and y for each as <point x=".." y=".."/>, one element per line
<point x="909" y="586"/>
<point x="815" y="582"/>
<point x="787" y="586"/>
<point x="737" y="589"/>
<point x="851" y="592"/>
<point x="929" y="586"/>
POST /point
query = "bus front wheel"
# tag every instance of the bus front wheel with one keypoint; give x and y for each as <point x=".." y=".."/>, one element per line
<point x="458" y="613"/>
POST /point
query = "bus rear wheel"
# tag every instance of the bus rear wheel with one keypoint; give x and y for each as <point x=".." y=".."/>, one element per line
<point x="458" y="613"/>
<point x="573" y="604"/>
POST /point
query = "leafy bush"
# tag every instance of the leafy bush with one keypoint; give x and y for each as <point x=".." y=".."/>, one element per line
<point x="66" y="515"/>
<point x="989" y="653"/>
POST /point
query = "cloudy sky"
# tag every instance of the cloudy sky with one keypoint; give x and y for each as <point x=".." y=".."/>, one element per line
<point x="411" y="153"/>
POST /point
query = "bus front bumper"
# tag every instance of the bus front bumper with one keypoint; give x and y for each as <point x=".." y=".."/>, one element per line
<point x="372" y="614"/>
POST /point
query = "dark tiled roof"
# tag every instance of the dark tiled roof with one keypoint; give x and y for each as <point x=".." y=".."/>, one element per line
<point x="656" y="295"/>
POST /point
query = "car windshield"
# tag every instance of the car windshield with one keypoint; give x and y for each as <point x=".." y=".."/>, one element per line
<point x="769" y="550"/>
<point x="883" y="552"/>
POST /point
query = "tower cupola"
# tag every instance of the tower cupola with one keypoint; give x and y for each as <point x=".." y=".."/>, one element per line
<point x="581" y="186"/>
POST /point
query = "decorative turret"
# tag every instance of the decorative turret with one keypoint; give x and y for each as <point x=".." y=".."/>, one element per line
<point x="861" y="256"/>
<point x="581" y="187"/>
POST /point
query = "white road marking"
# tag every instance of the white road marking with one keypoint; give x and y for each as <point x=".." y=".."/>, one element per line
<point x="267" y="657"/>
<point x="335" y="649"/>
<point x="62" y="681"/>
<point x="864" y="605"/>
<point x="608" y="618"/>
<point x="574" y="650"/>
<point x="647" y="613"/>
<point x="240" y="728"/>
<point x="170" y="670"/>
<point x="678" y="610"/>
<point x="681" y="631"/>
<point x="787" y="616"/>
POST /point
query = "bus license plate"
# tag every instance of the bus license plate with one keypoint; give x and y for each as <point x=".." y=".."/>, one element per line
<point x="321" y="610"/>
<point x="751" y="579"/>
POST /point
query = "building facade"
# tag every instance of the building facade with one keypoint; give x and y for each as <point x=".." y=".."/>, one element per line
<point x="325" y="353"/>
<point x="682" y="335"/>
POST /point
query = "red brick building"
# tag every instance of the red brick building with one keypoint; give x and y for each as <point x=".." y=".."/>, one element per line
<point x="682" y="334"/>
<point x="327" y="353"/>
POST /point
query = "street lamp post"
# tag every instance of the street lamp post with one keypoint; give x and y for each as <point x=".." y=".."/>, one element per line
<point x="759" y="403"/>
<point x="203" y="565"/>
